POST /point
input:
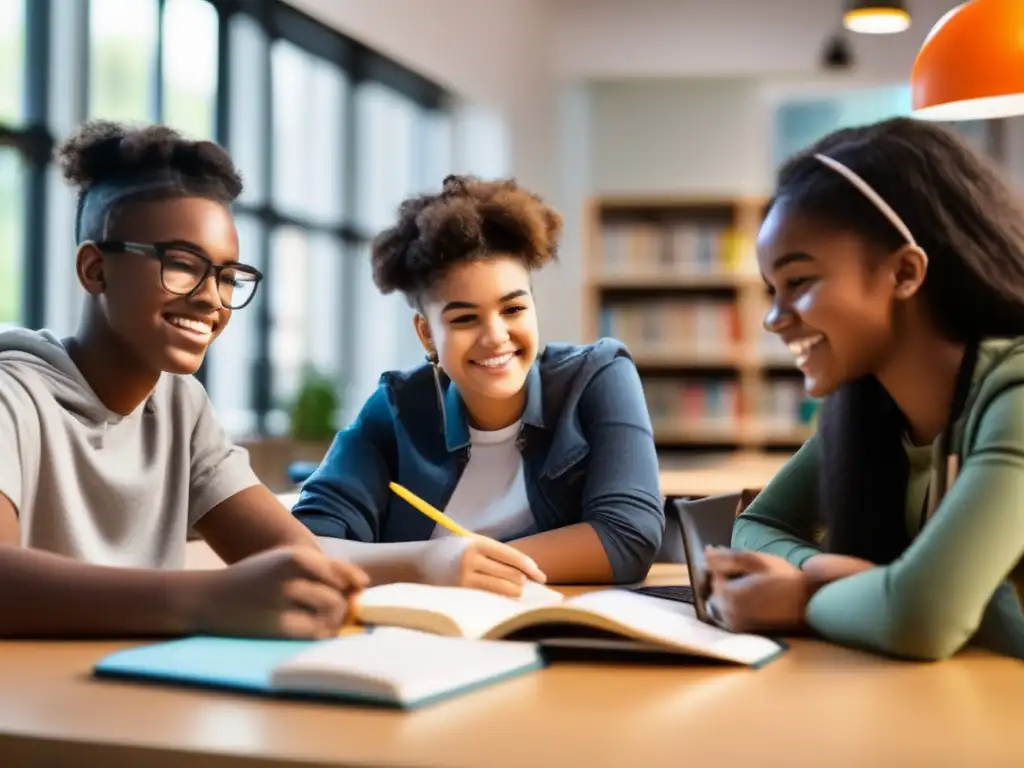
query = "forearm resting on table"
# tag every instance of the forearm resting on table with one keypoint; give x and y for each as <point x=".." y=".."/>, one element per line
<point x="384" y="563"/>
<point x="824" y="568"/>
<point x="570" y="555"/>
<point x="821" y="568"/>
<point x="755" y="536"/>
<point x="46" y="595"/>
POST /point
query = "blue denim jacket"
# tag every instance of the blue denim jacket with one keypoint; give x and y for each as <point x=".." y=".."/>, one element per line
<point x="587" y="445"/>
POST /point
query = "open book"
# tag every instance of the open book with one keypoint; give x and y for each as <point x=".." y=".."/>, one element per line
<point x="610" y="618"/>
<point x="388" y="666"/>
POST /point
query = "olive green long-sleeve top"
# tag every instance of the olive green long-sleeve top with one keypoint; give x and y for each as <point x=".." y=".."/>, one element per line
<point x="956" y="581"/>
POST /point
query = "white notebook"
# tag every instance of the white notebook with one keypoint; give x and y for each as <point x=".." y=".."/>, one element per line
<point x="387" y="666"/>
<point x="401" y="666"/>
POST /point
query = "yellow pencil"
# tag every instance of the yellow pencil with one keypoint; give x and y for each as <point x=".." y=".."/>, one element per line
<point x="434" y="514"/>
<point x="438" y="516"/>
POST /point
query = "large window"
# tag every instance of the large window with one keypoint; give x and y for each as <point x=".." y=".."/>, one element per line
<point x="12" y="59"/>
<point x="189" y="66"/>
<point x="21" y="167"/>
<point x="309" y="97"/>
<point x="122" y="59"/>
<point x="387" y="130"/>
<point x="314" y="121"/>
<point x="11" y="213"/>
<point x="334" y="137"/>
<point x="308" y="106"/>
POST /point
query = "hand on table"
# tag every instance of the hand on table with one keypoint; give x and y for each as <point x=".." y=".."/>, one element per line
<point x="289" y="592"/>
<point x="754" y="592"/>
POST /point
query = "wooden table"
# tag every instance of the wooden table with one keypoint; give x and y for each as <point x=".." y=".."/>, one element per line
<point x="816" y="705"/>
<point x="712" y="475"/>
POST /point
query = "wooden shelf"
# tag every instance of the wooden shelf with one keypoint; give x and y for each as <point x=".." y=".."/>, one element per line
<point x="683" y="359"/>
<point x="672" y="359"/>
<point x="675" y="278"/>
<point x="663" y="282"/>
<point x="735" y="434"/>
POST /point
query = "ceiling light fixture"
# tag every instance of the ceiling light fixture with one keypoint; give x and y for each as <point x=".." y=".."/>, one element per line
<point x="875" y="17"/>
<point x="836" y="54"/>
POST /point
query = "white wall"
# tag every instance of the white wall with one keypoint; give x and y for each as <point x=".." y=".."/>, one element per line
<point x="679" y="136"/>
<point x="1014" y="149"/>
<point x="716" y="135"/>
<point x="559" y="289"/>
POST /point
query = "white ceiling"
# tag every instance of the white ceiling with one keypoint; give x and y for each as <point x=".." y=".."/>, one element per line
<point x="607" y="39"/>
<point x="476" y="46"/>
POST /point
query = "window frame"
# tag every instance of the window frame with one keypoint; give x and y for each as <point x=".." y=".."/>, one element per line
<point x="32" y="140"/>
<point x="360" y="64"/>
<point x="44" y="119"/>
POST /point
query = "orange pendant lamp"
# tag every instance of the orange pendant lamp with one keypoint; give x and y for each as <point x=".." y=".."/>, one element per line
<point x="971" y="66"/>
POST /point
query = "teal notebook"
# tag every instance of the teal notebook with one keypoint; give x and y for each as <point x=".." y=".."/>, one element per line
<point x="388" y="667"/>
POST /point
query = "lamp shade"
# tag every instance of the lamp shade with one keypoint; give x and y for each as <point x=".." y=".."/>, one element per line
<point x="875" y="17"/>
<point x="971" y="66"/>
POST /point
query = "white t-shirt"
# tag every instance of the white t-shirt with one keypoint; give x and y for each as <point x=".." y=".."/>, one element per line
<point x="99" y="487"/>
<point x="490" y="498"/>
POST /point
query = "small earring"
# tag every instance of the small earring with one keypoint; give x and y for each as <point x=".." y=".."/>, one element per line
<point x="433" y="359"/>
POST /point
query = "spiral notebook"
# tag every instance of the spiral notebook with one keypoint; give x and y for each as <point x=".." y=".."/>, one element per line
<point x="389" y="667"/>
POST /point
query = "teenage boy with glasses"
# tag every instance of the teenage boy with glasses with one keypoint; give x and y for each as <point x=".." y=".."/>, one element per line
<point x="109" y="449"/>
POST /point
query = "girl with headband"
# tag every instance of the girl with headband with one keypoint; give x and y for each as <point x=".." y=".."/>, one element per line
<point x="110" y="452"/>
<point x="894" y="257"/>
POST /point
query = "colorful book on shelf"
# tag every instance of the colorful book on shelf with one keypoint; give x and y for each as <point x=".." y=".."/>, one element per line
<point x="609" y="619"/>
<point x="390" y="667"/>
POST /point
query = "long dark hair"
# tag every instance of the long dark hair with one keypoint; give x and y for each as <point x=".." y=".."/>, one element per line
<point x="970" y="224"/>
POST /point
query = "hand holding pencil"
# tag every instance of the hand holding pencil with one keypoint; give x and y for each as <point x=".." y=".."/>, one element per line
<point x="471" y="560"/>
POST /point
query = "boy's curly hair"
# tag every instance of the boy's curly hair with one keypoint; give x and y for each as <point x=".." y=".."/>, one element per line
<point x="101" y="151"/>
<point x="469" y="219"/>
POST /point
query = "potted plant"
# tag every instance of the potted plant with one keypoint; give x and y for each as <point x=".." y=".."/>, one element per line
<point x="314" y="419"/>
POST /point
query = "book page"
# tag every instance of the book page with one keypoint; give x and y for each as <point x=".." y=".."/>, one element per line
<point x="535" y="594"/>
<point x="673" y="624"/>
<point x="472" y="611"/>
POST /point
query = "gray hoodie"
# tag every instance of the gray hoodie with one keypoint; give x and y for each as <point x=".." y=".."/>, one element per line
<point x="97" y="486"/>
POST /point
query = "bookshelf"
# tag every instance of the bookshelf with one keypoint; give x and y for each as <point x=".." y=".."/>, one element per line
<point x="676" y="280"/>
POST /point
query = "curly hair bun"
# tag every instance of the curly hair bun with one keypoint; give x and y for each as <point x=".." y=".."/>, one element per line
<point x="469" y="219"/>
<point x="101" y="150"/>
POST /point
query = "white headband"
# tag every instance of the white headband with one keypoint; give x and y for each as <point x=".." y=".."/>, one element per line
<point x="870" y="194"/>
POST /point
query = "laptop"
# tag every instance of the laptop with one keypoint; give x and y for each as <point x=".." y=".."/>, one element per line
<point x="690" y="525"/>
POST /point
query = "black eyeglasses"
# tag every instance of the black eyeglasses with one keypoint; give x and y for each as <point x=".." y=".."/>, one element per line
<point x="184" y="269"/>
